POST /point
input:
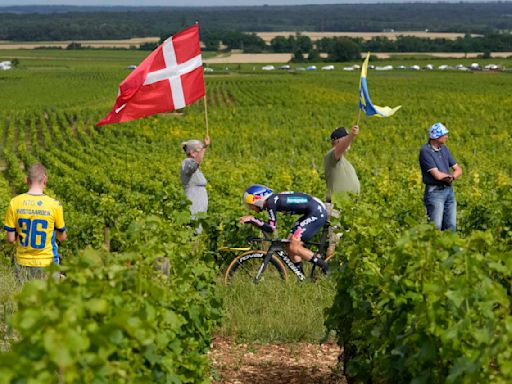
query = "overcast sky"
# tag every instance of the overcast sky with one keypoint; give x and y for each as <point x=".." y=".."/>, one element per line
<point x="199" y="2"/>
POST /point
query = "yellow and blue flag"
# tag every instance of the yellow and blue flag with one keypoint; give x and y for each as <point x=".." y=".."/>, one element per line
<point x="365" y="102"/>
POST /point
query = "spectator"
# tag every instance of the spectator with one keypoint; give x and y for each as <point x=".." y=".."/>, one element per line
<point x="340" y="175"/>
<point x="192" y="178"/>
<point x="34" y="221"/>
<point x="436" y="163"/>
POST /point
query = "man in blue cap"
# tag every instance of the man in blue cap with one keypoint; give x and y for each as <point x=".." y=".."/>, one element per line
<point x="439" y="169"/>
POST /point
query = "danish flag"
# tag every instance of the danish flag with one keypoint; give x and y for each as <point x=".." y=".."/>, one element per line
<point x="170" y="78"/>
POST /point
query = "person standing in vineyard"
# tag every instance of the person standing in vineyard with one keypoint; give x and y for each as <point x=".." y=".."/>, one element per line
<point x="436" y="162"/>
<point x="340" y="175"/>
<point x="35" y="221"/>
<point x="193" y="180"/>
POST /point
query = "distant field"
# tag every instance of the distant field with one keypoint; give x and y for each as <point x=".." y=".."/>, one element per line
<point x="264" y="58"/>
<point x="441" y="55"/>
<point x="136" y="41"/>
<point x="256" y="58"/>
<point x="268" y="36"/>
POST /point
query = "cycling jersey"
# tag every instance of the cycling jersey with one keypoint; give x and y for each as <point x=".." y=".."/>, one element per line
<point x="35" y="218"/>
<point x="314" y="214"/>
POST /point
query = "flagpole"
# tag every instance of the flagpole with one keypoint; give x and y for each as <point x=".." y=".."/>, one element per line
<point x="358" y="93"/>
<point x="206" y="113"/>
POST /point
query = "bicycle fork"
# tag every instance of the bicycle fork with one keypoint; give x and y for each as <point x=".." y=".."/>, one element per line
<point x="264" y="265"/>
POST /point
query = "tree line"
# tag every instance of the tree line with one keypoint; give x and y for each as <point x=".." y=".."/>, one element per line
<point x="345" y="49"/>
<point x="41" y="23"/>
<point x="340" y="48"/>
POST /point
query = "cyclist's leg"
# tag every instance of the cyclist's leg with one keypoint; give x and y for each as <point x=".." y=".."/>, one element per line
<point x="307" y="226"/>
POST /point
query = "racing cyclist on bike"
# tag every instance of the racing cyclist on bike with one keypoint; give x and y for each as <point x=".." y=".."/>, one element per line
<point x="314" y="215"/>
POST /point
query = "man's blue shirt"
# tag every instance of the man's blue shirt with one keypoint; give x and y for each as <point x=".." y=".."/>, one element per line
<point x="431" y="158"/>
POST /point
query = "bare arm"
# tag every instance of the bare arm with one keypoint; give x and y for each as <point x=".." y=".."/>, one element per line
<point x="341" y="145"/>
<point x="438" y="175"/>
<point x="457" y="171"/>
<point x="11" y="237"/>
<point x="199" y="155"/>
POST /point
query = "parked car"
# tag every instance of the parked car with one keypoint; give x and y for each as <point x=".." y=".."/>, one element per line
<point x="311" y="68"/>
<point x="268" y="68"/>
<point x="492" y="67"/>
<point x="328" y="68"/>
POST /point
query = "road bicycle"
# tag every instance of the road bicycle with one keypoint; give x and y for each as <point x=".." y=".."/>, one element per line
<point x="273" y="263"/>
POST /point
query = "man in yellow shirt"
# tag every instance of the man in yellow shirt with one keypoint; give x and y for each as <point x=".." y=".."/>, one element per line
<point x="34" y="221"/>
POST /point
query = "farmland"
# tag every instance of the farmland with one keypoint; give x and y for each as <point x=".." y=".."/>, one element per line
<point x="268" y="36"/>
<point x="422" y="304"/>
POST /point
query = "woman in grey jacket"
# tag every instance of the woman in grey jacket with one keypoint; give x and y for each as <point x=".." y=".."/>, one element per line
<point x="193" y="180"/>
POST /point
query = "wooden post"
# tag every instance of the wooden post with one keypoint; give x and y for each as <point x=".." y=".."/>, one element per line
<point x="206" y="113"/>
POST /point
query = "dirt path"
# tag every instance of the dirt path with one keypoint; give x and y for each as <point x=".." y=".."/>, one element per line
<point x="297" y="363"/>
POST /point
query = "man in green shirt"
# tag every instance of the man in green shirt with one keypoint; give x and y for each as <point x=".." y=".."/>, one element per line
<point x="340" y="175"/>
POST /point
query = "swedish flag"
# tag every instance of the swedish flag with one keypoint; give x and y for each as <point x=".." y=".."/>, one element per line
<point x="365" y="102"/>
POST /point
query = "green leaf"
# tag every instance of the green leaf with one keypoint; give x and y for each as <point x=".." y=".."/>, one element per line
<point x="457" y="297"/>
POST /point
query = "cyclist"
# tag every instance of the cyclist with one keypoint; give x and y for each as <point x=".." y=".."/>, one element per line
<point x="314" y="215"/>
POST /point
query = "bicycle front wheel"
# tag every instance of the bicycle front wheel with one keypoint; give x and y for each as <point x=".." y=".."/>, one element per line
<point x="244" y="268"/>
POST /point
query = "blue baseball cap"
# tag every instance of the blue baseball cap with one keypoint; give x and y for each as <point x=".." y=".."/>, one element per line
<point x="437" y="130"/>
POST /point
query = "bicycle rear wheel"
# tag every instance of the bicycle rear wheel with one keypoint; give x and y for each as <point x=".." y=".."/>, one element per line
<point x="244" y="268"/>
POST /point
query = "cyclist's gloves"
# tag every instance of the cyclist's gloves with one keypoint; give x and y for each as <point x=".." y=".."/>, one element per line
<point x="265" y="227"/>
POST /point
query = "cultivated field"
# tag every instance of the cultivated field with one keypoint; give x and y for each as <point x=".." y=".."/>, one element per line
<point x="406" y="302"/>
<point x="128" y="43"/>
<point x="268" y="36"/>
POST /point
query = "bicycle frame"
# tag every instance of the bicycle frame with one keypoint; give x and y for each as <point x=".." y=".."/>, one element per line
<point x="277" y="246"/>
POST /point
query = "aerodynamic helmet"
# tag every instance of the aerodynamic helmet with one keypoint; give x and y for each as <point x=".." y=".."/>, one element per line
<point x="256" y="195"/>
<point x="437" y="130"/>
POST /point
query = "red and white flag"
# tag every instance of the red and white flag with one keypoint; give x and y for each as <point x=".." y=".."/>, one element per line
<point x="170" y="78"/>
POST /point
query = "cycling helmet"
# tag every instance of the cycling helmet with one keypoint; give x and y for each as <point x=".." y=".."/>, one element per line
<point x="437" y="130"/>
<point x="256" y="195"/>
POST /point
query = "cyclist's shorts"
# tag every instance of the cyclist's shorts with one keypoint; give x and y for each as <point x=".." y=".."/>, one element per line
<point x="309" y="224"/>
